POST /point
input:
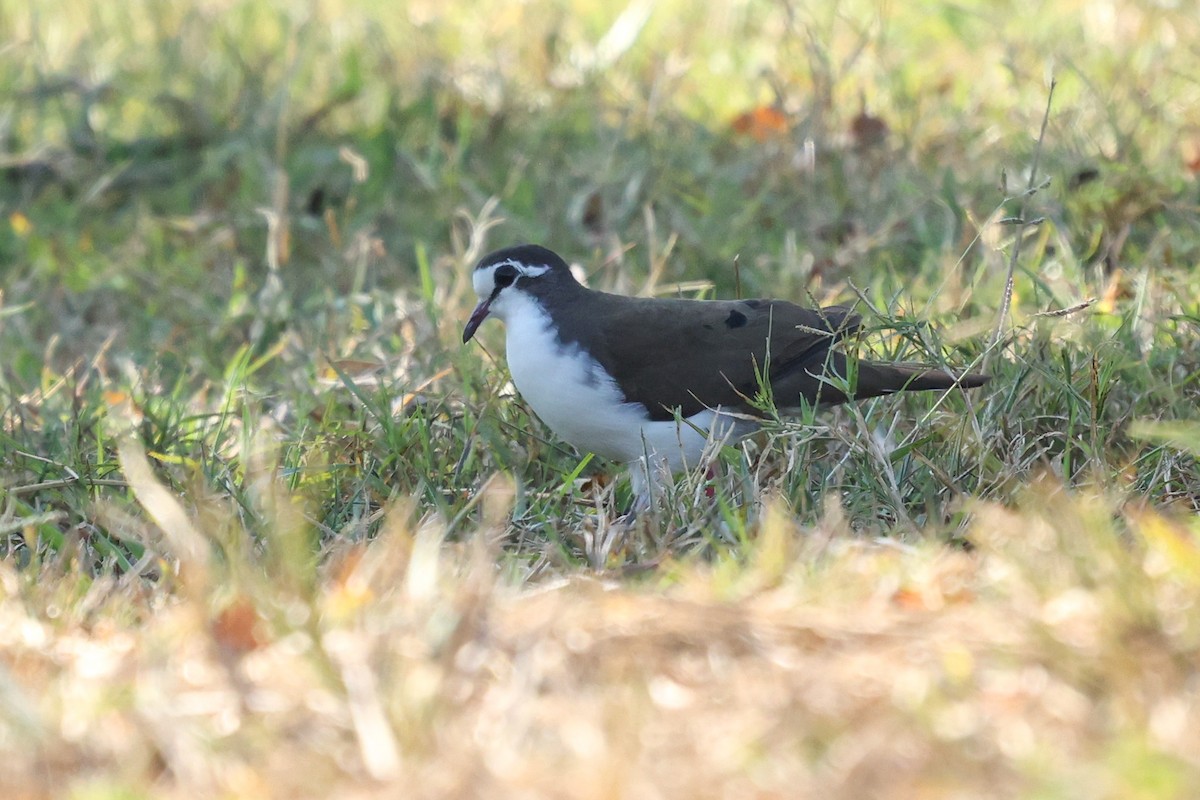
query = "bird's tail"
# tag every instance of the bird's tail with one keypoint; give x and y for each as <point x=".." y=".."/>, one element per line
<point x="875" y="379"/>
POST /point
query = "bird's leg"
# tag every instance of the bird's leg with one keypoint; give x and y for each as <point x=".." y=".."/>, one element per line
<point x="640" y="484"/>
<point x="649" y="477"/>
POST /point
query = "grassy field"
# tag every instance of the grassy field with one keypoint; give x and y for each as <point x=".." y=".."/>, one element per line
<point x="270" y="530"/>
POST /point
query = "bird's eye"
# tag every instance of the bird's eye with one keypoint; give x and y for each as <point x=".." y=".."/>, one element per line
<point x="505" y="274"/>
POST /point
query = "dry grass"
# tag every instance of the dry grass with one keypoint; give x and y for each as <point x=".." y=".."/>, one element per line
<point x="1055" y="658"/>
<point x="270" y="531"/>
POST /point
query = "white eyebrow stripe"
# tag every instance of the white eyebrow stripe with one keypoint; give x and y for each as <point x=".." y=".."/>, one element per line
<point x="524" y="269"/>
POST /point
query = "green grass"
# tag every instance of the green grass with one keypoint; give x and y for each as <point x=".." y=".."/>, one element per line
<point x="241" y="440"/>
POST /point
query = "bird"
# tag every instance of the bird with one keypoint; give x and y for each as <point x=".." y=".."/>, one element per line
<point x="652" y="382"/>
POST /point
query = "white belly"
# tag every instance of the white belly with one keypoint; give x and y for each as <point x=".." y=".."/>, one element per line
<point x="571" y="393"/>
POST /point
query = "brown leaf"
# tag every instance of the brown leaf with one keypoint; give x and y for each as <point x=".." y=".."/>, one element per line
<point x="908" y="599"/>
<point x="761" y="124"/>
<point x="867" y="130"/>
<point x="1118" y="288"/>
<point x="595" y="482"/>
<point x="236" y="628"/>
<point x="352" y="367"/>
<point x="1190" y="150"/>
<point x="593" y="214"/>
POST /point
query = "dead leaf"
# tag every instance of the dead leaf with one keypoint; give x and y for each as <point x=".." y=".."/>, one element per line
<point x="867" y="130"/>
<point x="236" y="628"/>
<point x="352" y="367"/>
<point x="1117" y="289"/>
<point x="1190" y="150"/>
<point x="761" y="124"/>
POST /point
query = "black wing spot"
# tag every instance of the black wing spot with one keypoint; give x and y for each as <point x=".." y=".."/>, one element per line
<point x="736" y="319"/>
<point x="753" y="305"/>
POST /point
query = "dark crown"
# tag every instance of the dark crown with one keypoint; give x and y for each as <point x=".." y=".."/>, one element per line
<point x="531" y="255"/>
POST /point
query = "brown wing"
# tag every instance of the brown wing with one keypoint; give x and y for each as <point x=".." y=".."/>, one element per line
<point x="709" y="353"/>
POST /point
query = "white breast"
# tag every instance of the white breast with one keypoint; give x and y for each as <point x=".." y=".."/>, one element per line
<point x="580" y="402"/>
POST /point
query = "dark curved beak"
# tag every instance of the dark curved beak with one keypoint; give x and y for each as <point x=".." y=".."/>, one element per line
<point x="477" y="316"/>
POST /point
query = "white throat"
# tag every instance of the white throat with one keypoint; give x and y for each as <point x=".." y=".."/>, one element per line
<point x="567" y="389"/>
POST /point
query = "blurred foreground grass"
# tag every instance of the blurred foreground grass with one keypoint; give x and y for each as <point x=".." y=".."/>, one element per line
<point x="1055" y="659"/>
<point x="251" y="548"/>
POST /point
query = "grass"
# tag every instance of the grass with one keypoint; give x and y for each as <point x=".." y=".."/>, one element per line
<point x="270" y="530"/>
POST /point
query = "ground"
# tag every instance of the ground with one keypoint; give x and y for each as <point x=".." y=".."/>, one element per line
<point x="271" y="530"/>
